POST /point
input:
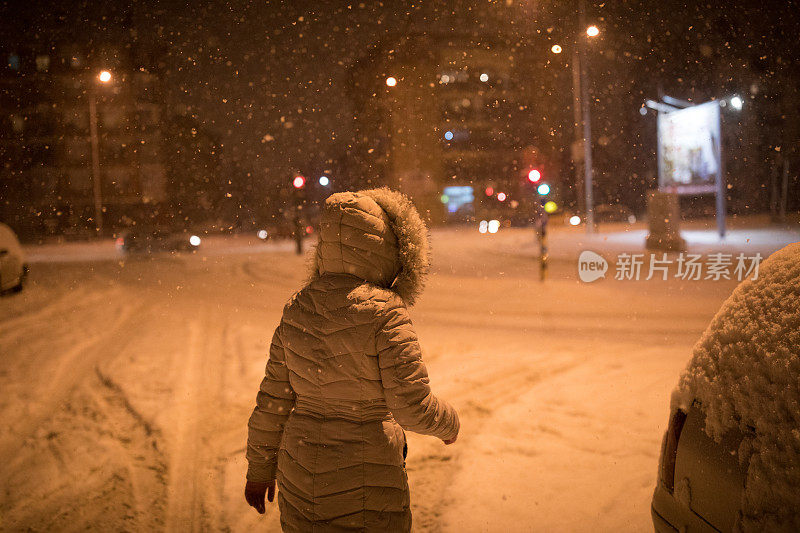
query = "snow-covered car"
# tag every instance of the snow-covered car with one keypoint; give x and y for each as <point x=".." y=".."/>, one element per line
<point x="730" y="457"/>
<point x="149" y="239"/>
<point x="13" y="268"/>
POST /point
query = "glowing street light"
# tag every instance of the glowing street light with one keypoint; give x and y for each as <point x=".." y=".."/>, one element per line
<point x="556" y="49"/>
<point x="737" y="102"/>
<point x="592" y="31"/>
<point x="391" y="81"/>
<point x="97" y="191"/>
<point x="324" y="181"/>
<point x="484" y="77"/>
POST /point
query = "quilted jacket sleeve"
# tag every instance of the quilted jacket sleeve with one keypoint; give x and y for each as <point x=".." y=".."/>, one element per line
<point x="405" y="379"/>
<point x="274" y="401"/>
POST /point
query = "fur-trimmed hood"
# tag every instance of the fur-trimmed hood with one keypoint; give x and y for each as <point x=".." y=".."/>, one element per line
<point x="377" y="235"/>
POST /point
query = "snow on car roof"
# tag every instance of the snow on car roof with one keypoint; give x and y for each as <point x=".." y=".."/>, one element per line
<point x="745" y="371"/>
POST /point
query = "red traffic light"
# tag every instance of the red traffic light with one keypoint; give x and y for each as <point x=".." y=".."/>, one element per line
<point x="534" y="176"/>
<point x="299" y="182"/>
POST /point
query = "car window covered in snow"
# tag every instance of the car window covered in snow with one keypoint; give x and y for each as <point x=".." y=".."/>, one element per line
<point x="429" y="266"/>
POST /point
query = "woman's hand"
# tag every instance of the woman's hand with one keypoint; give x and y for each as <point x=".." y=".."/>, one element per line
<point x="254" y="492"/>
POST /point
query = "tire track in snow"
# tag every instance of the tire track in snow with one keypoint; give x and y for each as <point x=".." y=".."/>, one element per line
<point x="193" y="469"/>
<point x="139" y="451"/>
<point x="16" y="327"/>
<point x="72" y="368"/>
<point x="111" y="469"/>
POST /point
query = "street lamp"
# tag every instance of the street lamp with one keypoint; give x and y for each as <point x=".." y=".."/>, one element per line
<point x="737" y="102"/>
<point x="105" y="77"/>
<point x="581" y="115"/>
<point x="391" y="81"/>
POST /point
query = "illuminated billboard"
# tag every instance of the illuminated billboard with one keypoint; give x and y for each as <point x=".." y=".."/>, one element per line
<point x="689" y="159"/>
<point x="458" y="198"/>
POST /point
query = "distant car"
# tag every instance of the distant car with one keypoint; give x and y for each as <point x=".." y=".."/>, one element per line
<point x="613" y="213"/>
<point x="13" y="268"/>
<point x="730" y="458"/>
<point x="149" y="239"/>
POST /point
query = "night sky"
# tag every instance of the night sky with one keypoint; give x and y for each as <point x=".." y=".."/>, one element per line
<point x="249" y="70"/>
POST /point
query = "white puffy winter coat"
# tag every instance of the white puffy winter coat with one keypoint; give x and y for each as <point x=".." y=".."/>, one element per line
<point x="345" y="374"/>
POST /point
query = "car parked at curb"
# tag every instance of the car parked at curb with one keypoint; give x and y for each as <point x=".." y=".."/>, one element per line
<point x="13" y="265"/>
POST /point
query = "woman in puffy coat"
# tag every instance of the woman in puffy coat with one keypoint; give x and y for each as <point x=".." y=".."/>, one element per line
<point x="345" y="376"/>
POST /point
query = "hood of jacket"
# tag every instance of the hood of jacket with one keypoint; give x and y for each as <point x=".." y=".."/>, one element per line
<point x="376" y="235"/>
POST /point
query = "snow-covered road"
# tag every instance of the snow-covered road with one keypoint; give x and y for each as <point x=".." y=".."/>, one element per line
<point x="126" y="385"/>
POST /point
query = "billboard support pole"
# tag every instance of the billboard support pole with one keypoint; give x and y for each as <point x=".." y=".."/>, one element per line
<point x="721" y="185"/>
<point x="721" y="206"/>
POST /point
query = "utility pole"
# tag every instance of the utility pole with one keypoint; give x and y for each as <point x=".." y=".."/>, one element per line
<point x="585" y="112"/>
<point x="784" y="191"/>
<point x="95" y="144"/>
<point x="577" y="145"/>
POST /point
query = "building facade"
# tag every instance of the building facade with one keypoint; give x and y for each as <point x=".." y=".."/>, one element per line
<point x="449" y="120"/>
<point x="73" y="141"/>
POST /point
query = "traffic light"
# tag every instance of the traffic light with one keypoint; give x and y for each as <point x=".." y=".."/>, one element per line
<point x="534" y="176"/>
<point x="298" y="182"/>
<point x="543" y="189"/>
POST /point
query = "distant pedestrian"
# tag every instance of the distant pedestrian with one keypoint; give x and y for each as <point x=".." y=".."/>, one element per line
<point x="345" y="375"/>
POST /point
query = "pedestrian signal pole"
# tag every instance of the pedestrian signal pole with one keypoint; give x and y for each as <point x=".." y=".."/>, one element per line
<point x="543" y="253"/>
